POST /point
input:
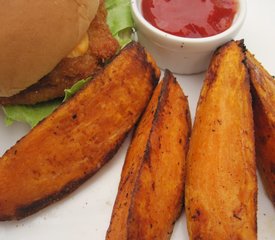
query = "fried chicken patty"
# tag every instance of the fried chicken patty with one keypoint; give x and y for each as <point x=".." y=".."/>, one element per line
<point x="102" y="46"/>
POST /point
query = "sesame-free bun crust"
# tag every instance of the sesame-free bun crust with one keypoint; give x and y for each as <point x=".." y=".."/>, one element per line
<point x="35" y="35"/>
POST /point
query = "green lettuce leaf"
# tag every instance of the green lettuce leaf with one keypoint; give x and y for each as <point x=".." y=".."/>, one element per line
<point x="33" y="114"/>
<point x="30" y="114"/>
<point x="75" y="88"/>
<point x="120" y="20"/>
<point x="121" y="24"/>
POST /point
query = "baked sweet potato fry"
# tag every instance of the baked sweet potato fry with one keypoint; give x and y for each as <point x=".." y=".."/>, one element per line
<point x="221" y="185"/>
<point x="75" y="141"/>
<point x="151" y="190"/>
<point x="263" y="94"/>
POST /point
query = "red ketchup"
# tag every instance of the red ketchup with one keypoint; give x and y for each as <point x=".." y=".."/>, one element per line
<point x="190" y="18"/>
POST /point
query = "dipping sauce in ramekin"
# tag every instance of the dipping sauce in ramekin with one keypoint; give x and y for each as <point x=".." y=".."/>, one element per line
<point x="190" y="18"/>
<point x="184" y="55"/>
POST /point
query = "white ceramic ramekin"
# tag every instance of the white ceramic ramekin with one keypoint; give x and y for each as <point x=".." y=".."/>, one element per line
<point x="179" y="54"/>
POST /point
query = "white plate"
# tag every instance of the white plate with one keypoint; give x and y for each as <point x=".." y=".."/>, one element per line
<point x="85" y="214"/>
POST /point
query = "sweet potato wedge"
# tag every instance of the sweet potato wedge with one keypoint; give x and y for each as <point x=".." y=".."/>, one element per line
<point x="221" y="185"/>
<point x="263" y="96"/>
<point x="74" y="142"/>
<point x="151" y="190"/>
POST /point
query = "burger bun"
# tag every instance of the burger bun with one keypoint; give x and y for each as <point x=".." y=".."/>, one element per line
<point x="35" y="35"/>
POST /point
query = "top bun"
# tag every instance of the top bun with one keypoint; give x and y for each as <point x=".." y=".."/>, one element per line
<point x="35" y="35"/>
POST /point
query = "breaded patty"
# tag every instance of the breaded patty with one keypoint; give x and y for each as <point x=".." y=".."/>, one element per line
<point x="102" y="46"/>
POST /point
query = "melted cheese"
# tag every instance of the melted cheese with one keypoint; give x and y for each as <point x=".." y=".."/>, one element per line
<point x="81" y="48"/>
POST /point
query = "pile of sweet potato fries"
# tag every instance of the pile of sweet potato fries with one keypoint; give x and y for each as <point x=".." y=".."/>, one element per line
<point x="210" y="172"/>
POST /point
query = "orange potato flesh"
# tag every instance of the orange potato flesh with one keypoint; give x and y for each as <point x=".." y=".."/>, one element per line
<point x="221" y="185"/>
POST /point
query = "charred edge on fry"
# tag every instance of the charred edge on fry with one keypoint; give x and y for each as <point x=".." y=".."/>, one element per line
<point x="252" y="91"/>
<point x="160" y="104"/>
<point x="250" y="102"/>
<point x="163" y="96"/>
<point x="146" y="156"/>
<point x="25" y="211"/>
<point x="242" y="45"/>
<point x="154" y="78"/>
<point x="273" y="169"/>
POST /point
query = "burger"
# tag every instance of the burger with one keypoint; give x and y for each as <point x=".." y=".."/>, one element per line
<point x="47" y="46"/>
